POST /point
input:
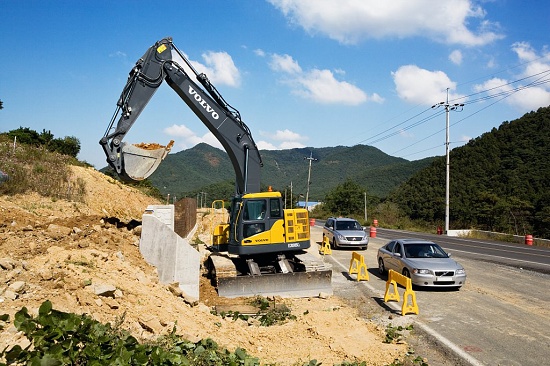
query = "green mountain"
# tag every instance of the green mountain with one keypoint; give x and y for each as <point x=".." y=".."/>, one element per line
<point x="499" y="181"/>
<point x="189" y="171"/>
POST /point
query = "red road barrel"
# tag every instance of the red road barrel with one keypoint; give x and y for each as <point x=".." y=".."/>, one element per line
<point x="375" y="223"/>
<point x="529" y="239"/>
<point x="372" y="232"/>
<point x="311" y="222"/>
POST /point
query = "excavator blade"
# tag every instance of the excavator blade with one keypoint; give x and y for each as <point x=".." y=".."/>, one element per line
<point x="294" y="284"/>
<point x="141" y="160"/>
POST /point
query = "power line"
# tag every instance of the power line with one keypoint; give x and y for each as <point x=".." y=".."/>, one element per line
<point x="503" y="94"/>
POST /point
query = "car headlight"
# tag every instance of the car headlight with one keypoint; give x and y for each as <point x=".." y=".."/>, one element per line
<point x="460" y="271"/>
<point x="422" y="271"/>
<point x="340" y="236"/>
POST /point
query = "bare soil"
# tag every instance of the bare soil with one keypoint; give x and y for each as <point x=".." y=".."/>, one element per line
<point x="66" y="252"/>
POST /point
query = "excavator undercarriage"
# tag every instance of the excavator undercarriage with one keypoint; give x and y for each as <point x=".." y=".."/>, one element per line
<point x="297" y="275"/>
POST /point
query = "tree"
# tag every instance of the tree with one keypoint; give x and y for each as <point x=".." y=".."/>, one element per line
<point x="26" y="136"/>
<point x="1" y="105"/>
<point x="346" y="199"/>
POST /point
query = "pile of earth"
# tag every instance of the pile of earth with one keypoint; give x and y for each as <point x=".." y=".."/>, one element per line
<point x="84" y="257"/>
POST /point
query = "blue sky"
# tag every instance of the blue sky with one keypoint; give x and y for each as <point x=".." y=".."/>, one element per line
<point x="302" y="73"/>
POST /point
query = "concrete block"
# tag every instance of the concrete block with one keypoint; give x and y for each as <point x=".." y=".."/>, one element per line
<point x="175" y="259"/>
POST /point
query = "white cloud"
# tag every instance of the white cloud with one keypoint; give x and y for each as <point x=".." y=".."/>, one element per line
<point x="185" y="138"/>
<point x="456" y="57"/>
<point x="350" y="21"/>
<point x="420" y="86"/>
<point x="119" y="54"/>
<point x="534" y="63"/>
<point x="320" y="86"/>
<point x="284" y="63"/>
<point x="219" y="68"/>
<point x="465" y="138"/>
<point x="535" y="67"/>
<point x="377" y="98"/>
<point x="259" y="52"/>
<point x="283" y="139"/>
<point x="528" y="99"/>
<point x="264" y="145"/>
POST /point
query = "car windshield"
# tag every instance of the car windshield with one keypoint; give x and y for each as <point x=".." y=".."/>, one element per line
<point x="348" y="225"/>
<point x="424" y="250"/>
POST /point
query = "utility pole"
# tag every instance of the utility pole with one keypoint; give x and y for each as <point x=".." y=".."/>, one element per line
<point x="448" y="108"/>
<point x="203" y="198"/>
<point x="291" y="196"/>
<point x="365" y="207"/>
<point x="309" y="176"/>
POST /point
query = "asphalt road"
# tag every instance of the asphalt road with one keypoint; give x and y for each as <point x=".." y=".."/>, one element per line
<point x="500" y="317"/>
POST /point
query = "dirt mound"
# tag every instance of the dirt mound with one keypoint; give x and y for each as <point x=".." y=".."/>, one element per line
<point x="84" y="257"/>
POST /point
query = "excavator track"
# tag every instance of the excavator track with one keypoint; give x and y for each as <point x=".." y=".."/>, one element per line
<point x="313" y="281"/>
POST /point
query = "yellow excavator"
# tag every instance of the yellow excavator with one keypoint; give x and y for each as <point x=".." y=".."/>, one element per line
<point x="262" y="250"/>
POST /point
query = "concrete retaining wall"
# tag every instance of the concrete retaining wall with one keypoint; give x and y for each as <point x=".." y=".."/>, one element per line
<point x="175" y="259"/>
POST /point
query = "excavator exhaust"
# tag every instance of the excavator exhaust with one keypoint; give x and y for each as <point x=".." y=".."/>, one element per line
<point x="141" y="160"/>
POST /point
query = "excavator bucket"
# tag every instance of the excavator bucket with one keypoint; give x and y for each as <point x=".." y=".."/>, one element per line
<point x="141" y="160"/>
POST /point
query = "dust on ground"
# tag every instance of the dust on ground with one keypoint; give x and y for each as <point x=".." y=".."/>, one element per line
<point x="70" y="252"/>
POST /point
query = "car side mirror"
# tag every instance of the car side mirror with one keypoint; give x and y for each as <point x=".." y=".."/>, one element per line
<point x="397" y="254"/>
<point x="449" y="255"/>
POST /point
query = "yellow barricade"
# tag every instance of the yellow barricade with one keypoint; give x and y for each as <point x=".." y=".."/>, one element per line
<point x="357" y="265"/>
<point x="393" y="279"/>
<point x="325" y="247"/>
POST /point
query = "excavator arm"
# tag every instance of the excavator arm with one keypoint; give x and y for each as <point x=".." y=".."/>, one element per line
<point x="164" y="62"/>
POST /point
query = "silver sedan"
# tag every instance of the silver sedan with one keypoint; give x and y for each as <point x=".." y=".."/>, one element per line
<point x="425" y="262"/>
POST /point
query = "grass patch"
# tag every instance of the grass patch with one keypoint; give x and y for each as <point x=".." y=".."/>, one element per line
<point x="31" y="168"/>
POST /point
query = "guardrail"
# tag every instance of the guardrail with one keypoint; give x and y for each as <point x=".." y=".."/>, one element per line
<point x="357" y="266"/>
<point x="395" y="278"/>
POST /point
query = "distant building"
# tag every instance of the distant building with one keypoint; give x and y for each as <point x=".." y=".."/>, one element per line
<point x="310" y="204"/>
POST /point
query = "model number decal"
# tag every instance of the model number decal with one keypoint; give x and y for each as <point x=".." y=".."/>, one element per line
<point x="203" y="103"/>
<point x="294" y="245"/>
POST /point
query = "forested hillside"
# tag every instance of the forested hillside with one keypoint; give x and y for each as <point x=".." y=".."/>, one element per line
<point x="499" y="181"/>
<point x="205" y="168"/>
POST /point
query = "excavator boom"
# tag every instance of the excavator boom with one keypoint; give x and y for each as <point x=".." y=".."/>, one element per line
<point x="164" y="62"/>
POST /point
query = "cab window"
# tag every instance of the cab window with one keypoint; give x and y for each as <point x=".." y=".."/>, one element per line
<point x="254" y="210"/>
<point x="275" y="208"/>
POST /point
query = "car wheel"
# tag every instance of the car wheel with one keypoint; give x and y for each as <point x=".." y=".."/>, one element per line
<point x="381" y="267"/>
<point x="406" y="273"/>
